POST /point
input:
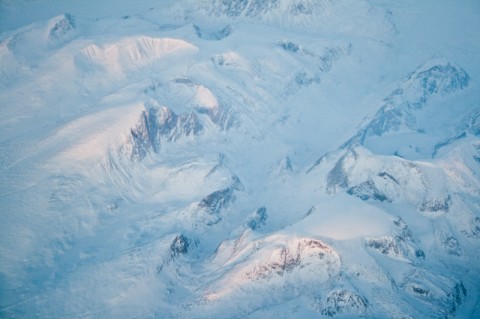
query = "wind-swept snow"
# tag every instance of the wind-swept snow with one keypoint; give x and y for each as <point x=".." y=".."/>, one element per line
<point x="164" y="159"/>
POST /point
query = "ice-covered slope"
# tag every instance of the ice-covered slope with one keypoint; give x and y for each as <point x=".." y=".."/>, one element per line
<point x="163" y="159"/>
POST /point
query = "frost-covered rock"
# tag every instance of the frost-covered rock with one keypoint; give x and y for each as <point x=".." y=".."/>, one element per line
<point x="388" y="178"/>
<point x="386" y="245"/>
<point x="179" y="245"/>
<point x="249" y="8"/>
<point x="436" y="205"/>
<point x="257" y="219"/>
<point x="399" y="244"/>
<point x="433" y="78"/>
<point x="315" y="14"/>
<point x="62" y="29"/>
<point x="367" y="190"/>
<point x="371" y="177"/>
<point x="344" y="302"/>
<point x="265" y="260"/>
<point x="159" y="124"/>
<point x="443" y="295"/>
<point x="213" y="35"/>
<point x="192" y="97"/>
<point x="209" y="210"/>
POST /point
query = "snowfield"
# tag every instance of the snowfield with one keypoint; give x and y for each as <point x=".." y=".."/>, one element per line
<point x="239" y="159"/>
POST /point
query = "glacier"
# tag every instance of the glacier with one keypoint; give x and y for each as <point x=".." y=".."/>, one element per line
<point x="239" y="159"/>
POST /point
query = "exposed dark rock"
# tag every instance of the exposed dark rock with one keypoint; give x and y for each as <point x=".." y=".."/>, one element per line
<point x="179" y="245"/>
<point x="442" y="78"/>
<point x="404" y="233"/>
<point x="289" y="46"/>
<point x="398" y="108"/>
<point x="337" y="177"/>
<point x="284" y="260"/>
<point x="344" y="302"/>
<point x="63" y="27"/>
<point x="367" y="190"/>
<point x="209" y="209"/>
<point x="475" y="226"/>
<point x="220" y="115"/>
<point x="452" y="246"/>
<point x="213" y="35"/>
<point x="386" y="245"/>
<point x="214" y="202"/>
<point x="471" y="123"/>
<point x="249" y="8"/>
<point x="458" y="295"/>
<point x="312" y="210"/>
<point x="400" y="243"/>
<point x="257" y="219"/>
<point x="421" y="291"/>
<point x="443" y="294"/>
<point x="237" y="184"/>
<point x="435" y="205"/>
<point x="303" y="78"/>
<point x="447" y="142"/>
<point x="156" y="124"/>
<point x="387" y="176"/>
<point x="420" y="254"/>
<point x="329" y="56"/>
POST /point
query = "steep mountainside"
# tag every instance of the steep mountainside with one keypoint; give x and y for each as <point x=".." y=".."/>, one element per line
<point x="239" y="159"/>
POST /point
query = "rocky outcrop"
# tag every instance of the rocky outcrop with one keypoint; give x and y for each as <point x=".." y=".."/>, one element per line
<point x="179" y="246"/>
<point x="257" y="219"/>
<point x="436" y="205"/>
<point x="157" y="124"/>
<point x="302" y="254"/>
<point x="344" y="302"/>
<point x="63" y="28"/>
<point x="248" y="8"/>
<point x="367" y="190"/>
<point x="434" y="78"/>
<point x="183" y="93"/>
<point x="443" y="295"/>
<point x="209" y="210"/>
<point x="399" y="244"/>
<point x="338" y="176"/>
<point x="212" y="35"/>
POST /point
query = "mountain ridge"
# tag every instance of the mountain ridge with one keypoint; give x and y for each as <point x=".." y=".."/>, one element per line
<point x="161" y="160"/>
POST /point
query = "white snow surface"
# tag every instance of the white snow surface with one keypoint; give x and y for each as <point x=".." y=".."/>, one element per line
<point x="239" y="159"/>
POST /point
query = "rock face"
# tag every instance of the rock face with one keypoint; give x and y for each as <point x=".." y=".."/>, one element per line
<point x="444" y="295"/>
<point x="213" y="35"/>
<point x="344" y="302"/>
<point x="161" y="123"/>
<point x="399" y="244"/>
<point x="370" y="177"/>
<point x="257" y="219"/>
<point x="249" y="8"/>
<point x="270" y="261"/>
<point x="366" y="191"/>
<point x="209" y="210"/>
<point x="435" y="78"/>
<point x="179" y="245"/>
<point x="305" y="254"/>
<point x="153" y="162"/>
<point x="436" y="205"/>
<point x="65" y="26"/>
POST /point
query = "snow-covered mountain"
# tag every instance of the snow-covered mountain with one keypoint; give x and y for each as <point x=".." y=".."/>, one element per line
<point x="239" y="159"/>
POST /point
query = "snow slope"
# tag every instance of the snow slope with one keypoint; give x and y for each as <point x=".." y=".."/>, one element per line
<point x="239" y="159"/>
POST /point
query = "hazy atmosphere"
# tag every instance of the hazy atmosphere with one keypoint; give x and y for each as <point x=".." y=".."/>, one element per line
<point x="239" y="159"/>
